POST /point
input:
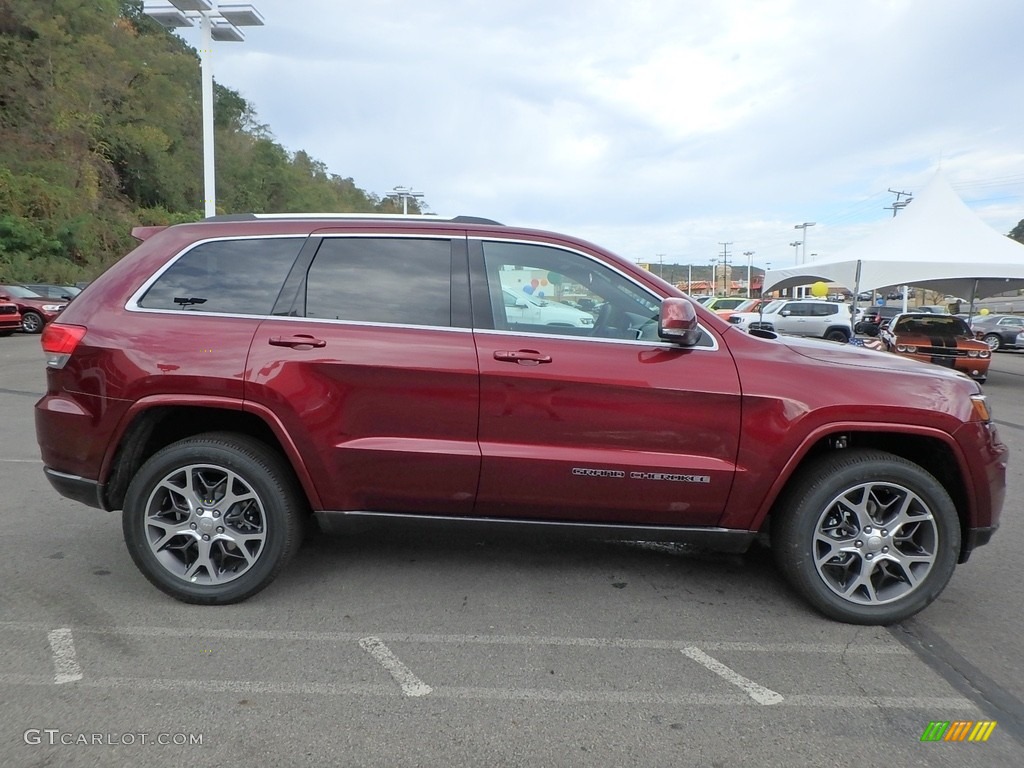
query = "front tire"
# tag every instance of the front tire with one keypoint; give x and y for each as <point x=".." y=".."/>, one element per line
<point x="837" y="334"/>
<point x="994" y="341"/>
<point x="32" y="322"/>
<point x="212" y="519"/>
<point x="866" y="537"/>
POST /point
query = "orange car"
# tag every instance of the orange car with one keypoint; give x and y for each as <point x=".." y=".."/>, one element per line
<point x="10" y="316"/>
<point x="750" y="305"/>
<point x="940" y="339"/>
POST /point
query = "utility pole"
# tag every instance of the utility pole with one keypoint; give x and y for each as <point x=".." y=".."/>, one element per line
<point x="804" y="226"/>
<point x="898" y="205"/>
<point x="750" y="262"/>
<point x="796" y="260"/>
<point x="725" y="268"/>
<point x="403" y="194"/>
<point x="714" y="276"/>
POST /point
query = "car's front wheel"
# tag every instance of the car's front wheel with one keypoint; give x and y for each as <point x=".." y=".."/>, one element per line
<point x="212" y="519"/>
<point x="32" y="322"/>
<point x="837" y="334"/>
<point x="866" y="537"/>
<point x="994" y="341"/>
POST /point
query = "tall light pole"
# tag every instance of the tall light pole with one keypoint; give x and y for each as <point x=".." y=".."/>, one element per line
<point x="689" y="278"/>
<point x="218" y="22"/>
<point x="804" y="226"/>
<point x="714" y="277"/>
<point x="767" y="269"/>
<point x="403" y="194"/>
<point x="750" y="263"/>
<point x="796" y="260"/>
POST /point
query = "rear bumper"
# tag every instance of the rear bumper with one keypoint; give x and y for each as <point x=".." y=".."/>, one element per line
<point x="78" y="488"/>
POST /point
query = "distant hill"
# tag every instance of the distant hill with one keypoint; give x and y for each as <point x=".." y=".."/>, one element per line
<point x="100" y="131"/>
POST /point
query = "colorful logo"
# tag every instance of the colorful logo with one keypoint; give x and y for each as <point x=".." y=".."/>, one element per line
<point x="958" y="730"/>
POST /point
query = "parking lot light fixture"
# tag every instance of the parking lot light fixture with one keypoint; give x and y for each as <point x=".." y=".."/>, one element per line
<point x="216" y="22"/>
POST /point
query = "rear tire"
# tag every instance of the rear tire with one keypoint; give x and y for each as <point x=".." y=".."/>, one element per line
<point x="866" y="537"/>
<point x="840" y="335"/>
<point x="213" y="519"/>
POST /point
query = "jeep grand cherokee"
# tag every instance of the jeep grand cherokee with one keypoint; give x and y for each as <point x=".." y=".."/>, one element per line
<point x="229" y="379"/>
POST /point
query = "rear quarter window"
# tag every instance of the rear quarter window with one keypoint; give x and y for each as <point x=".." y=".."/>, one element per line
<point x="240" y="277"/>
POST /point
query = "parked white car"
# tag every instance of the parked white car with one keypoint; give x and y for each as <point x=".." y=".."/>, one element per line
<point x="521" y="309"/>
<point x="800" y="317"/>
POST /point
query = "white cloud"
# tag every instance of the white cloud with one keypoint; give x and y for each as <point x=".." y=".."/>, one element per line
<point x="651" y="127"/>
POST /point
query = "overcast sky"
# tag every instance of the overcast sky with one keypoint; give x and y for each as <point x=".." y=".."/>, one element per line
<point x="651" y="127"/>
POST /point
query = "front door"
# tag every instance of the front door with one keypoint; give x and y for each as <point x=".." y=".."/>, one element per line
<point x="597" y="421"/>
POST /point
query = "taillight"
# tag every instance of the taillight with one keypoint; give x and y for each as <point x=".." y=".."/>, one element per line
<point x="59" y="343"/>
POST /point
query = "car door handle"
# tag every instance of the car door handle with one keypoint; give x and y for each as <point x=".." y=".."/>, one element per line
<point x="522" y="356"/>
<point x="297" y="341"/>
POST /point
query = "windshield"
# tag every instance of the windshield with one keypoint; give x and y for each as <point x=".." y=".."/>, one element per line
<point x="19" y="293"/>
<point x="773" y="306"/>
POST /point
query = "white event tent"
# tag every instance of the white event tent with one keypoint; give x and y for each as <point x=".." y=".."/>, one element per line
<point x="936" y="243"/>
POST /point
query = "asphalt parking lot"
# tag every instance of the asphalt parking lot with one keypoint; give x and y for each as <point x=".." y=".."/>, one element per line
<point x="395" y="650"/>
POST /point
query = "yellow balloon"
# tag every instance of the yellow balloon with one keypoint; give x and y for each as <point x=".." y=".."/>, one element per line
<point x="819" y="290"/>
<point x="983" y="311"/>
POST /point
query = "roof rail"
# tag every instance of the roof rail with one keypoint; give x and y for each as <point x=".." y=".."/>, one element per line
<point x="349" y="216"/>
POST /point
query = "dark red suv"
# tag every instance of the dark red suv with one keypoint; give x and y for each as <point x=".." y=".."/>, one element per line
<point x="228" y="379"/>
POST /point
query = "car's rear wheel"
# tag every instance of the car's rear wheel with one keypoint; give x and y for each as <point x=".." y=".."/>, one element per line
<point x="866" y="537"/>
<point x="32" y="322"/>
<point x="837" y="334"/>
<point x="212" y="519"/>
<point x="994" y="341"/>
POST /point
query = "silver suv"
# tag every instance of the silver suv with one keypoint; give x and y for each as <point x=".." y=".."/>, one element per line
<point x="800" y="317"/>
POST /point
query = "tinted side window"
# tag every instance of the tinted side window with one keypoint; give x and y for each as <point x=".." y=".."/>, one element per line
<point x="542" y="289"/>
<point x="823" y="310"/>
<point x="381" y="280"/>
<point x="230" y="276"/>
<point x="796" y="309"/>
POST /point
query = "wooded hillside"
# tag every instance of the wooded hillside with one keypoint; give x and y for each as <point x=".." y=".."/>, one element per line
<point x="100" y="131"/>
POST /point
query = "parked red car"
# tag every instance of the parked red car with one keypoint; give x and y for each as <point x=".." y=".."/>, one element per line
<point x="36" y="311"/>
<point x="10" y="317"/>
<point x="230" y="378"/>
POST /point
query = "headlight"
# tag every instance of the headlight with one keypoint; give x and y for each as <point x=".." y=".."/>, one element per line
<point x="985" y="353"/>
<point x="972" y="353"/>
<point x="586" y="321"/>
<point x="52" y="307"/>
<point x="910" y="348"/>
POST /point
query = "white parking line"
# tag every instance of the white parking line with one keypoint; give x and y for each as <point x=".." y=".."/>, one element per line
<point x="64" y="662"/>
<point x="758" y="693"/>
<point x="684" y="699"/>
<point x="883" y="648"/>
<point x="411" y="685"/>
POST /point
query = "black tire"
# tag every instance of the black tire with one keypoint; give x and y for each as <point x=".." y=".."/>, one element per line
<point x="32" y="322"/>
<point x="837" y="334"/>
<point x="809" y="523"/>
<point x="179" y="496"/>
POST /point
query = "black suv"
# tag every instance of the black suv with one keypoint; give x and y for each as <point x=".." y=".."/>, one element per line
<point x="871" y="321"/>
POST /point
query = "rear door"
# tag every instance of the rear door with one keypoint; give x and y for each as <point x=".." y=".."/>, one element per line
<point x="369" y="364"/>
<point x="602" y="422"/>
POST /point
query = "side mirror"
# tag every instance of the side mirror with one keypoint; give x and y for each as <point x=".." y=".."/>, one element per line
<point x="785" y="313"/>
<point x="677" y="322"/>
